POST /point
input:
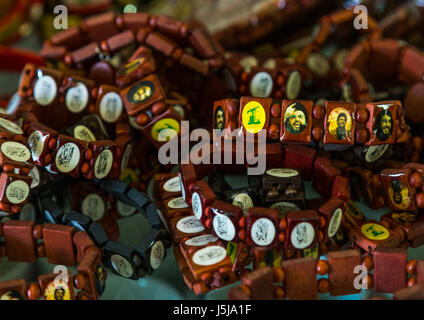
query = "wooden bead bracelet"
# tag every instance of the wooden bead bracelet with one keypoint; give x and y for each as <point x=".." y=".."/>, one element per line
<point x="61" y="245"/>
<point x="297" y="279"/>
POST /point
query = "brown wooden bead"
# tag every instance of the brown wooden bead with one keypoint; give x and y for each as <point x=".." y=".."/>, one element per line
<point x="85" y="167"/>
<point x="41" y="250"/>
<point x="322" y="222"/>
<point x="47" y="159"/>
<point x="176" y="55"/>
<point x="278" y="292"/>
<point x="80" y="281"/>
<point x="317" y="133"/>
<point x="274" y="131"/>
<point x="323" y="248"/>
<point x="362" y="115"/>
<point x="283" y="224"/>
<point x="37" y="231"/>
<point x="142" y="119"/>
<point x="376" y="182"/>
<point x="278" y="274"/>
<point x="323" y="285"/>
<point x="369" y="281"/>
<point x="15" y="208"/>
<point x="368" y="263"/>
<point x="88" y="154"/>
<point x="276" y="110"/>
<point x="318" y="112"/>
<point x="419" y="199"/>
<point x="362" y="135"/>
<point x="320" y="236"/>
<point x="242" y="222"/>
<point x="322" y="267"/>
<point x="385" y="224"/>
<point x="417" y="143"/>
<point x="415" y="180"/>
<point x="34" y="291"/>
<point x="411" y="282"/>
<point x="242" y="234"/>
<point x="158" y="107"/>
<point x="411" y="267"/>
<point x="281" y="237"/>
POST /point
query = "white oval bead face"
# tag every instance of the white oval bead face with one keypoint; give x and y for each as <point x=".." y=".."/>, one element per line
<point x="261" y="85"/>
<point x="172" y="185"/>
<point x="209" y="256"/>
<point x="190" y="224"/>
<point x="76" y="98"/>
<point x="103" y="164"/>
<point x="67" y="157"/>
<point x="17" y="192"/>
<point x="263" y="232"/>
<point x="302" y="235"/>
<point x="36" y="144"/>
<point x="10" y="126"/>
<point x="15" y="151"/>
<point x="157" y="254"/>
<point x="93" y="206"/>
<point x="121" y="265"/>
<point x="335" y="221"/>
<point x="200" y="241"/>
<point x="224" y="227"/>
<point x="111" y="107"/>
<point x="45" y="90"/>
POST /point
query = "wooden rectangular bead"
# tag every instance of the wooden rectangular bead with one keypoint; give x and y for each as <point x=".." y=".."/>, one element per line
<point x="201" y="197"/>
<point x="225" y="115"/>
<point x="85" y="54"/>
<point x="415" y="292"/>
<point x="161" y="43"/>
<point x="341" y="188"/>
<point x="302" y="229"/>
<point x="254" y="114"/>
<point x="39" y="137"/>
<point x="300" y="279"/>
<point x="20" y="243"/>
<point x="238" y="293"/>
<point x="398" y="192"/>
<point x="332" y="211"/>
<point x="389" y="269"/>
<point x="68" y="155"/>
<point x="223" y="220"/>
<point x="384" y="56"/>
<point x="187" y="175"/>
<point x="58" y="244"/>
<point x="381" y="123"/>
<point x="134" y="21"/>
<point x="175" y="207"/>
<point x="91" y="267"/>
<point x="336" y="130"/>
<point x="101" y="26"/>
<point x="300" y="158"/>
<point x="260" y="283"/>
<point x="72" y="38"/>
<point x="138" y="66"/>
<point x="14" y="188"/>
<point x="50" y="290"/>
<point x="410" y="222"/>
<point x="195" y="64"/>
<point x="13" y="289"/>
<point x="141" y="95"/>
<point x="370" y="235"/>
<point x="262" y="227"/>
<point x="296" y="121"/>
<point x="200" y="40"/>
<point x="324" y="175"/>
<point x="411" y="68"/>
<point x="82" y="242"/>
<point x="185" y="226"/>
<point x="120" y="40"/>
<point x="169" y="25"/>
<point x="341" y="275"/>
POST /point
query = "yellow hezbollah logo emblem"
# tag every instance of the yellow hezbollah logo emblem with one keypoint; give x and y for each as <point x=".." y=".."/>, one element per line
<point x="375" y="231"/>
<point x="165" y="129"/>
<point x="253" y="117"/>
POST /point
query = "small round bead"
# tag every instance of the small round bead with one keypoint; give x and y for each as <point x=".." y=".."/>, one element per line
<point x="80" y="281"/>
<point x="104" y="46"/>
<point x="47" y="159"/>
<point x="68" y="59"/>
<point x="417" y="143"/>
<point x="380" y="201"/>
<point x="242" y="234"/>
<point x="369" y="281"/>
<point x="119" y="22"/>
<point x="415" y="180"/>
<point x="322" y="267"/>
<point x="368" y="263"/>
<point x="317" y="133"/>
<point x="376" y="182"/>
<point x="318" y="112"/>
<point x="362" y="115"/>
<point x="412" y="282"/>
<point x="323" y="285"/>
<point x="37" y="231"/>
<point x="15" y="208"/>
<point x="242" y="222"/>
<point x="274" y="131"/>
<point x="322" y="222"/>
<point x="278" y="274"/>
<point x="419" y="199"/>
<point x="276" y="110"/>
<point x="176" y="54"/>
<point x="4" y="206"/>
<point x="41" y="250"/>
<point x="208" y="223"/>
<point x="142" y="119"/>
<point x="88" y="154"/>
<point x="244" y="76"/>
<point x="85" y="167"/>
<point x="278" y="292"/>
<point x="320" y="236"/>
<point x="323" y="248"/>
<point x="283" y="224"/>
<point x="411" y="267"/>
<point x="158" y="107"/>
<point x="289" y="253"/>
<point x="281" y="237"/>
<point x="362" y="135"/>
<point x="278" y="94"/>
<point x="280" y="80"/>
<point x="34" y="291"/>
